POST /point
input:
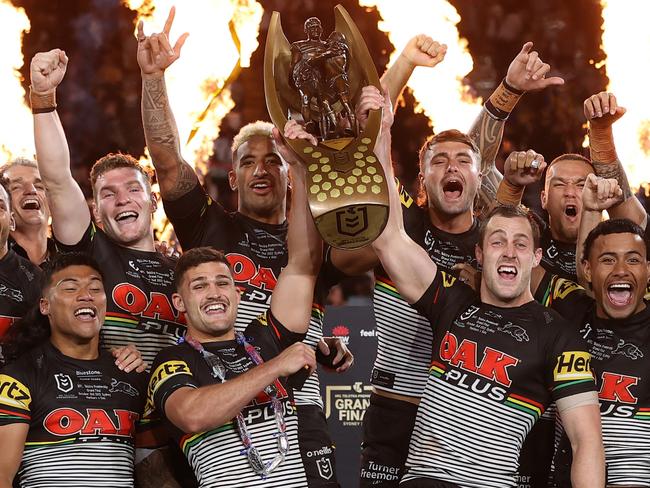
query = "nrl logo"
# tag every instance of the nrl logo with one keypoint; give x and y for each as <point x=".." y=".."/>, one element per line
<point x="352" y="221"/>
<point x="63" y="382"/>
<point x="324" y="466"/>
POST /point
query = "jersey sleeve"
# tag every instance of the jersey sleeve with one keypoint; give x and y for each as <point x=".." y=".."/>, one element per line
<point x="169" y="372"/>
<point x="445" y="291"/>
<point x="85" y="243"/>
<point x="15" y="397"/>
<point x="568" y="362"/>
<point x="566" y="297"/>
<point x="267" y="323"/>
<point x="188" y="216"/>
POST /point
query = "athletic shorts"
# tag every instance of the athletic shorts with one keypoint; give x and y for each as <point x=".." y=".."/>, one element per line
<point x="387" y="427"/>
<point x="316" y="447"/>
<point x="427" y="483"/>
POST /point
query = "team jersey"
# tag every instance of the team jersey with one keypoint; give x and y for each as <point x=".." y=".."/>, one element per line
<point x="216" y="455"/>
<point x="257" y="253"/>
<point x="620" y="351"/>
<point x="139" y="286"/>
<point x="558" y="257"/>
<point x="404" y="336"/>
<point x="82" y="417"/>
<point x="493" y="373"/>
<point x="49" y="254"/>
<point x="20" y="289"/>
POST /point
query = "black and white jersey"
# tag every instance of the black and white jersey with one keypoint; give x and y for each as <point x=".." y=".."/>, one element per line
<point x="81" y="414"/>
<point x="216" y="455"/>
<point x="620" y="351"/>
<point x="404" y="335"/>
<point x="493" y="373"/>
<point x="558" y="257"/>
<point x="139" y="287"/>
<point x="257" y="253"/>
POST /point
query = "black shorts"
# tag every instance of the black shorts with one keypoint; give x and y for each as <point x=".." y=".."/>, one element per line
<point x="316" y="447"/>
<point x="387" y="427"/>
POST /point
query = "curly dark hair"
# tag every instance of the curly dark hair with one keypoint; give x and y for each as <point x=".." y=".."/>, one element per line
<point x="34" y="327"/>
<point x="607" y="227"/>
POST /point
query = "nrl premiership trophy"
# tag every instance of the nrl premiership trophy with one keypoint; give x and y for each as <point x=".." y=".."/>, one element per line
<point x="317" y="83"/>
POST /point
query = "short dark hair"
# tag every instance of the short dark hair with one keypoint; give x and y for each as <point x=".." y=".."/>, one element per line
<point x="509" y="212"/>
<point x="451" y="135"/>
<point x="34" y="327"/>
<point x="607" y="227"/>
<point x="567" y="157"/>
<point x="195" y="257"/>
<point x="114" y="161"/>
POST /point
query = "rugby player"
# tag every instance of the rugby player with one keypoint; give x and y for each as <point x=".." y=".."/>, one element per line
<point x="253" y="238"/>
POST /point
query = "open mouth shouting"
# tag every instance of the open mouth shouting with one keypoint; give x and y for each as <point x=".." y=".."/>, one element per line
<point x="507" y="272"/>
<point x="30" y="204"/>
<point x="571" y="211"/>
<point x="86" y="314"/>
<point x="126" y="217"/>
<point x="452" y="189"/>
<point x="620" y="293"/>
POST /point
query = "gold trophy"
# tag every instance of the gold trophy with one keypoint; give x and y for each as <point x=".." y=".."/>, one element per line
<point x="318" y="82"/>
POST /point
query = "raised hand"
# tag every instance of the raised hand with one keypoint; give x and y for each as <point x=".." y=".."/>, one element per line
<point x="527" y="72"/>
<point x="523" y="168"/>
<point x="155" y="53"/>
<point x="47" y="70"/>
<point x="600" y="193"/>
<point x="601" y="110"/>
<point x="292" y="130"/>
<point x="370" y="99"/>
<point x="422" y="50"/>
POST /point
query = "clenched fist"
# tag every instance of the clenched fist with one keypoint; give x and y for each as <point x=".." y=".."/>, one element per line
<point x="47" y="70"/>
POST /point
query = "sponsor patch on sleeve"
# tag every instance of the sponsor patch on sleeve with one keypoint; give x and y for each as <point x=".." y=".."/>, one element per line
<point x="573" y="366"/>
<point x="13" y="394"/>
<point x="165" y="371"/>
<point x="404" y="197"/>
<point x="447" y="279"/>
<point x="563" y="287"/>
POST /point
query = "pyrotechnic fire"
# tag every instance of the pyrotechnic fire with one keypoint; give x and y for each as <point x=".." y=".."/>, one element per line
<point x="440" y="92"/>
<point x="16" y="124"/>
<point x="625" y="32"/>
<point x="223" y="35"/>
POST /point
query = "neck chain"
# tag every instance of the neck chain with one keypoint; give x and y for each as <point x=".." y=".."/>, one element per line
<point x="219" y="371"/>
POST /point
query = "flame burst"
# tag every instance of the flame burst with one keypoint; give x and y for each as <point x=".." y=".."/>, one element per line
<point x="440" y="92"/>
<point x="17" y="128"/>
<point x="223" y="36"/>
<point x="626" y="42"/>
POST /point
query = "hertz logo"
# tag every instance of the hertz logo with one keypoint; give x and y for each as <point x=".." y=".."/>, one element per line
<point x="573" y="365"/>
<point x="13" y="393"/>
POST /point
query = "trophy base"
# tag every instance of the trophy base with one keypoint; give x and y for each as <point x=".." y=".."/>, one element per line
<point x="352" y="226"/>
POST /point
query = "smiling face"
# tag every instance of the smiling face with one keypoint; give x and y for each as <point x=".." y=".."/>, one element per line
<point x="28" y="196"/>
<point x="124" y="205"/>
<point x="208" y="297"/>
<point x="451" y="177"/>
<point x="260" y="177"/>
<point x="562" y="197"/>
<point x="507" y="255"/>
<point x="7" y="223"/>
<point x="618" y="272"/>
<point x="75" y="304"/>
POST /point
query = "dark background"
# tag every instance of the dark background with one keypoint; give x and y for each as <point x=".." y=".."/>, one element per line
<point x="99" y="100"/>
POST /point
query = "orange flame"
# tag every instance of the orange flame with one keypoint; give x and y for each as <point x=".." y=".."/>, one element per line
<point x="440" y="92"/>
<point x="223" y="36"/>
<point x="16" y="125"/>
<point x="626" y="41"/>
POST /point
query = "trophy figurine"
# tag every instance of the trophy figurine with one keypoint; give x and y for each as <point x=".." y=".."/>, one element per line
<point x="317" y="83"/>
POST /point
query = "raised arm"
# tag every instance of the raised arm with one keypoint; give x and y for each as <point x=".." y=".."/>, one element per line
<point x="598" y="194"/>
<point x="70" y="214"/>
<point x="527" y="72"/>
<point x="407" y="264"/>
<point x="293" y="294"/>
<point x="601" y="111"/>
<point x="12" y="440"/>
<point x="421" y="50"/>
<point x="582" y="425"/>
<point x="155" y="54"/>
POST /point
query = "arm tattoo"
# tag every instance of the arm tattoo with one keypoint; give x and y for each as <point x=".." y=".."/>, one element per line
<point x="614" y="170"/>
<point x="487" y="132"/>
<point x="163" y="140"/>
